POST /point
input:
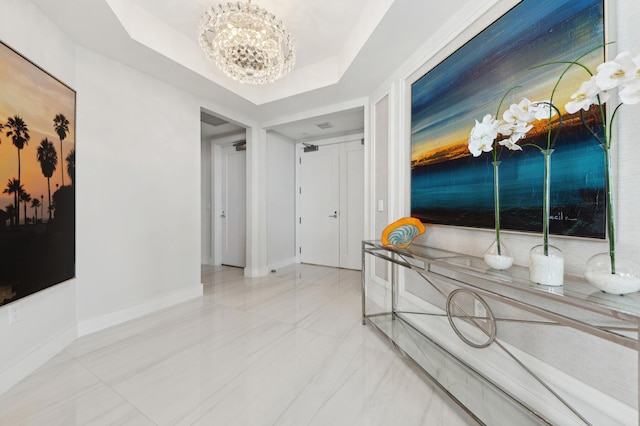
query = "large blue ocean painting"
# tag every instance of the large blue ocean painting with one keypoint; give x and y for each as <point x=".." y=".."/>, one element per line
<point x="449" y="186"/>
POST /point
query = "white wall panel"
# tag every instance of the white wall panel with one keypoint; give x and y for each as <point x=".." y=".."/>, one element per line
<point x="281" y="230"/>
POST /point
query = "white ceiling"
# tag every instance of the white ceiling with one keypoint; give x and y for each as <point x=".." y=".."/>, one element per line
<point x="329" y="35"/>
<point x="310" y="129"/>
<point x="307" y="21"/>
<point x="345" y="51"/>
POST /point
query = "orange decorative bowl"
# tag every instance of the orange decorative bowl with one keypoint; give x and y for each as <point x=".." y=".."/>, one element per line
<point x="402" y="232"/>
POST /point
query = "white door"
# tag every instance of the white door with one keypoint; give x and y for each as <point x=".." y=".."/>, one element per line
<point x="233" y="207"/>
<point x="331" y="203"/>
<point x="320" y="206"/>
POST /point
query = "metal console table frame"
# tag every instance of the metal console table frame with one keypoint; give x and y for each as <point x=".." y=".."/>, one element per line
<point x="559" y="306"/>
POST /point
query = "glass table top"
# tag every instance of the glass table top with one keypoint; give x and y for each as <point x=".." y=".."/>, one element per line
<point x="575" y="290"/>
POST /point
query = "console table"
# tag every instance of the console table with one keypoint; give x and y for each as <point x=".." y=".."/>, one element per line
<point x="474" y="332"/>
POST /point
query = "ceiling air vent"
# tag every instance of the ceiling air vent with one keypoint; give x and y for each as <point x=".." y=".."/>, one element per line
<point x="325" y="125"/>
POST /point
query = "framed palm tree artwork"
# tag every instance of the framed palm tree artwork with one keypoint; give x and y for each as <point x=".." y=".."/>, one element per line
<point x="451" y="187"/>
<point x="37" y="178"/>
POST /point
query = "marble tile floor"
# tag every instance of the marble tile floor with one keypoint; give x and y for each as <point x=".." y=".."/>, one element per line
<point x="286" y="349"/>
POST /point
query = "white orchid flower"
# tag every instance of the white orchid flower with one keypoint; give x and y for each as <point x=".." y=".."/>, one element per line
<point x="509" y="129"/>
<point x="477" y="147"/>
<point x="617" y="72"/>
<point x="630" y="92"/>
<point x="510" y="142"/>
<point x="520" y="112"/>
<point x="636" y="62"/>
<point x="515" y="123"/>
<point x="542" y="110"/>
<point x="586" y="96"/>
<point x="482" y="135"/>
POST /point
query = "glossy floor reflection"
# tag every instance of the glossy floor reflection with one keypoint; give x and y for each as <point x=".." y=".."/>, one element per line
<point x="286" y="349"/>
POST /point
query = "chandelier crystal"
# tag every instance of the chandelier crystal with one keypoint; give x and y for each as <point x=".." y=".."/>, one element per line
<point x="247" y="43"/>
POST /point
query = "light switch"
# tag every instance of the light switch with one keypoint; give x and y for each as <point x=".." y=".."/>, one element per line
<point x="380" y="205"/>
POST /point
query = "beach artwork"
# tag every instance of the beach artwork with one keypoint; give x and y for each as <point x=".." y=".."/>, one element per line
<point x="449" y="186"/>
<point x="37" y="178"/>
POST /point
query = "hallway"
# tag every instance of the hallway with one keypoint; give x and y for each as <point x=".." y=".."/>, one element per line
<point x="286" y="349"/>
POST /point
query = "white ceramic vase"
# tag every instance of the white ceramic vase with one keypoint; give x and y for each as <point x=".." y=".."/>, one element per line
<point x="498" y="257"/>
<point x="625" y="280"/>
<point x="546" y="268"/>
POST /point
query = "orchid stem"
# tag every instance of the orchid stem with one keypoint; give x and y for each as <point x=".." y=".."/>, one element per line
<point x="610" y="212"/>
<point x="546" y="195"/>
<point x="496" y="201"/>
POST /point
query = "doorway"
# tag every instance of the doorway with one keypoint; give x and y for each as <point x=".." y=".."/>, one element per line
<point x="331" y="203"/>
<point x="223" y="191"/>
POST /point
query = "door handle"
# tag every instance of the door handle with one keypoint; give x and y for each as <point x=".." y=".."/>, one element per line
<point x="223" y="215"/>
<point x="334" y="215"/>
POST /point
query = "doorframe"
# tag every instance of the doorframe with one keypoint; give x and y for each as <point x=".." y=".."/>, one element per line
<point x="298" y="147"/>
<point x="206" y="203"/>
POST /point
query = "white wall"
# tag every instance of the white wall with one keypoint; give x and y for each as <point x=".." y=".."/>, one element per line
<point x="281" y="239"/>
<point x="139" y="190"/>
<point x="48" y="318"/>
<point x="257" y="264"/>
<point x="137" y="197"/>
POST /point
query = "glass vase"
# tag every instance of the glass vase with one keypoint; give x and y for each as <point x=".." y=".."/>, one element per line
<point x="498" y="256"/>
<point x="546" y="266"/>
<point x="546" y="262"/>
<point x="625" y="279"/>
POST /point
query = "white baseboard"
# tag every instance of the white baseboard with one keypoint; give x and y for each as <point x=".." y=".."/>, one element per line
<point x="256" y="272"/>
<point x="31" y="361"/>
<point x="282" y="264"/>
<point x="114" y="318"/>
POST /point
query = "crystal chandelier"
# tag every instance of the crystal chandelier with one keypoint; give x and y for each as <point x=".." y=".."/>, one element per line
<point x="248" y="43"/>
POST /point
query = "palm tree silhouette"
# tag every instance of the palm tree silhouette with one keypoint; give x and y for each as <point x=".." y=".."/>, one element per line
<point x="48" y="159"/>
<point x="35" y="203"/>
<point x="19" y="133"/>
<point x="61" y="124"/>
<point x="11" y="212"/>
<point x="25" y="197"/>
<point x="14" y="187"/>
<point x="71" y="165"/>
